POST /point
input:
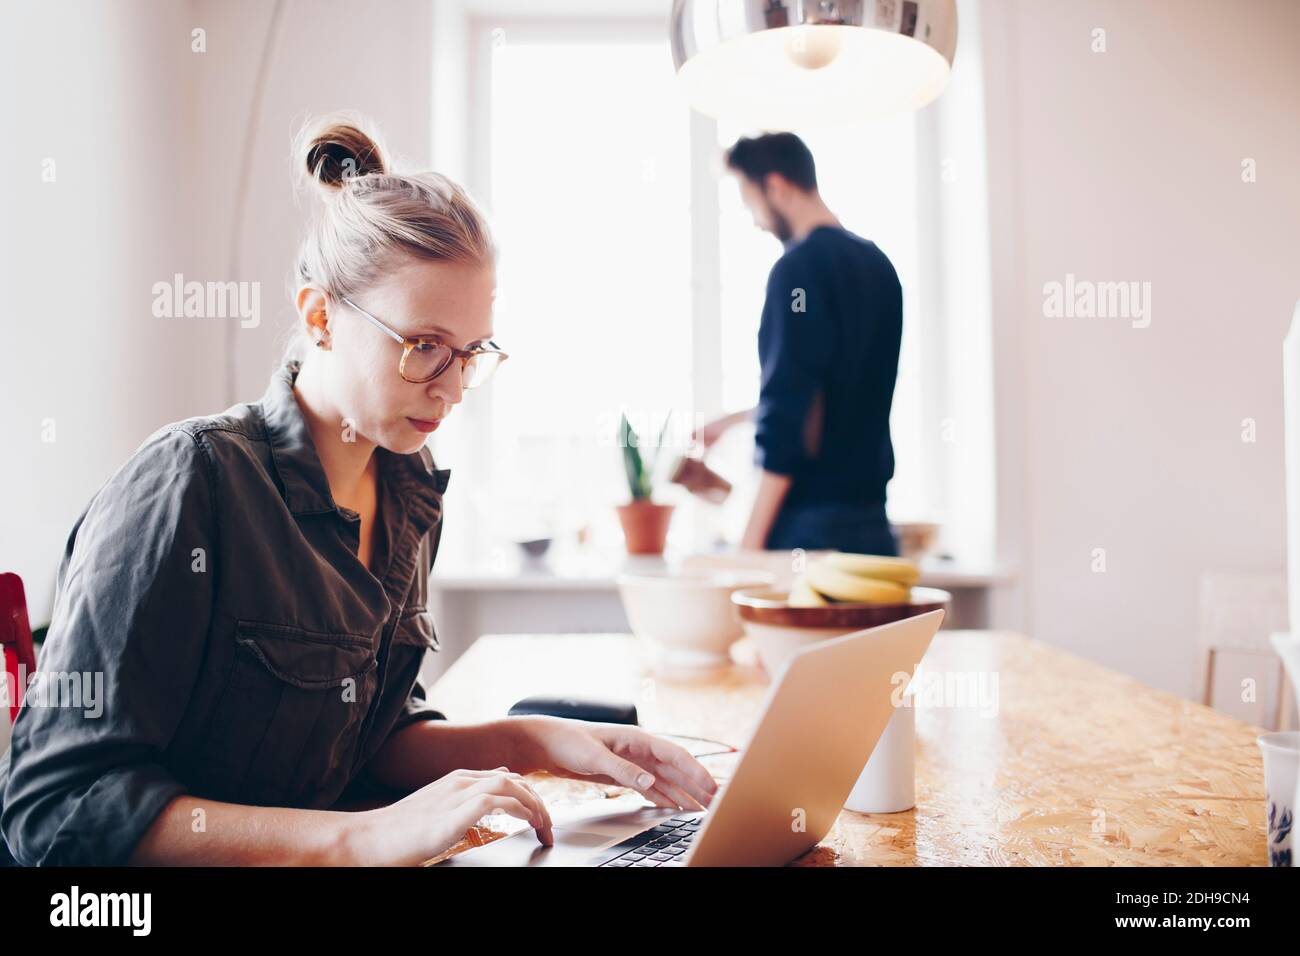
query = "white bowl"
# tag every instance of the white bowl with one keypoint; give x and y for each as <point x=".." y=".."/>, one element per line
<point x="775" y="645"/>
<point x="916" y="539"/>
<point x="686" y="618"/>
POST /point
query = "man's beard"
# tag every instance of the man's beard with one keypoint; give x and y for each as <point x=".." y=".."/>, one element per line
<point x="780" y="226"/>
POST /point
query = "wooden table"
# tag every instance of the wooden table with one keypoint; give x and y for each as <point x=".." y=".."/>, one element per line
<point x="1066" y="764"/>
<point x="495" y="590"/>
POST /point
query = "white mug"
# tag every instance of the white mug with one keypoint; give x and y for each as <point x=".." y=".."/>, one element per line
<point x="1281" y="764"/>
<point x="888" y="782"/>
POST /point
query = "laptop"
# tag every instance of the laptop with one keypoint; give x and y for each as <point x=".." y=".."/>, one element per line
<point x="819" y="724"/>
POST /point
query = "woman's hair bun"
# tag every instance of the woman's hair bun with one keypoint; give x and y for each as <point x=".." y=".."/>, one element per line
<point x="337" y="150"/>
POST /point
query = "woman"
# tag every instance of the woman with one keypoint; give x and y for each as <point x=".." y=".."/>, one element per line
<point x="252" y="587"/>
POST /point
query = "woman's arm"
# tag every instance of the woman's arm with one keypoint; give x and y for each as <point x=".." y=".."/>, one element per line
<point x="130" y="623"/>
<point x="195" y="832"/>
<point x="424" y="751"/>
<point x="628" y="756"/>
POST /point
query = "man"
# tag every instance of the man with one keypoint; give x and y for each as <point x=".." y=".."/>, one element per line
<point x="828" y="344"/>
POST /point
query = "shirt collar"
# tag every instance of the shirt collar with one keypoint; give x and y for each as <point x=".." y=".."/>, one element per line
<point x="306" y="489"/>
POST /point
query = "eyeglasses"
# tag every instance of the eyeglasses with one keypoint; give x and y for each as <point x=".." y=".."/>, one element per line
<point x="424" y="359"/>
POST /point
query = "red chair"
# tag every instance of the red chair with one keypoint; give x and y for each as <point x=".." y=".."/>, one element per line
<point x="16" y="639"/>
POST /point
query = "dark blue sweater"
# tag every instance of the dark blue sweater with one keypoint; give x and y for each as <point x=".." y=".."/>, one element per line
<point x="830" y="335"/>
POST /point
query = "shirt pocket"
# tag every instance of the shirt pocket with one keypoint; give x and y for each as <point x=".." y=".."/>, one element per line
<point x="415" y="630"/>
<point x="284" y="731"/>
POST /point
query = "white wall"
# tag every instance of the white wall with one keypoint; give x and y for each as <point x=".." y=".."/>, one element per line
<point x="148" y="140"/>
<point x="107" y="93"/>
<point x="1126" y="165"/>
<point x="326" y="56"/>
<point x="957" y="319"/>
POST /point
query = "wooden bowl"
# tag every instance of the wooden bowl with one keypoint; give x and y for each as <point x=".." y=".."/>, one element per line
<point x="768" y="606"/>
<point x="778" y="630"/>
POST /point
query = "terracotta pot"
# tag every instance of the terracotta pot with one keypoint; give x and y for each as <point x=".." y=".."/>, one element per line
<point x="645" y="526"/>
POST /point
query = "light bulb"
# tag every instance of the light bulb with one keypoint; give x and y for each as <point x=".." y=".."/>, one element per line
<point x="812" y="47"/>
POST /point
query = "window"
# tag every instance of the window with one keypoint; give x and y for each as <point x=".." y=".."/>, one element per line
<point x="867" y="174"/>
<point x="588" y="188"/>
<point x="617" y="292"/>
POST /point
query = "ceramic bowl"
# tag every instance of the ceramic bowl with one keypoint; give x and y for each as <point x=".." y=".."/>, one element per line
<point x="916" y="539"/>
<point x="686" y="618"/>
<point x="534" y="547"/>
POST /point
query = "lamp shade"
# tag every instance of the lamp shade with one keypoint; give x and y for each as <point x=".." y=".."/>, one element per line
<point x="781" y="64"/>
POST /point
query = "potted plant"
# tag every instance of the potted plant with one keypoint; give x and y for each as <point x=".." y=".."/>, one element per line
<point x="645" y="523"/>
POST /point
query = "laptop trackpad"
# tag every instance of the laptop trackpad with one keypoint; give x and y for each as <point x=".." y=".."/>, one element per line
<point x="620" y="825"/>
<point x="578" y="841"/>
<point x="572" y="848"/>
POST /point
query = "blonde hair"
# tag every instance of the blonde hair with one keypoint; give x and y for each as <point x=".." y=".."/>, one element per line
<point x="372" y="216"/>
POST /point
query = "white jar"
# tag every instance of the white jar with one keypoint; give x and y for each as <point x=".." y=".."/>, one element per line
<point x="888" y="782"/>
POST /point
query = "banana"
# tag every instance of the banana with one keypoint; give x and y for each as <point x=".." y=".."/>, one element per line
<point x="899" y="570"/>
<point x="802" y="594"/>
<point x="843" y="586"/>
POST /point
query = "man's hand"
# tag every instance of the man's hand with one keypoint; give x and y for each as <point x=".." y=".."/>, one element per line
<point x="621" y="754"/>
<point x="709" y="433"/>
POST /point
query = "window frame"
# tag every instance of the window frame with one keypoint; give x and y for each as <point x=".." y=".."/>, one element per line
<point x="706" y="258"/>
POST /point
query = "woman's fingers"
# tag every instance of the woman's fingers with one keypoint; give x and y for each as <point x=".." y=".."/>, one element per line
<point x="614" y="768"/>
<point x="655" y="794"/>
<point x="627" y="753"/>
<point x="485" y="803"/>
<point x="688" y="771"/>
<point x="514" y="787"/>
<point x="667" y="760"/>
<point x="661" y="799"/>
<point x="528" y="796"/>
<point x="466" y="778"/>
<point x="668" y="773"/>
<point x="679" y="796"/>
<point x="523" y="791"/>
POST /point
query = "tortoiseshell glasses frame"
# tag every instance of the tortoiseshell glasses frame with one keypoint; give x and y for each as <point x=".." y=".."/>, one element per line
<point x="437" y="356"/>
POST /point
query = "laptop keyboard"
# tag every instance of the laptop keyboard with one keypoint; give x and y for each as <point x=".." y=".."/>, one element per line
<point x="664" y="845"/>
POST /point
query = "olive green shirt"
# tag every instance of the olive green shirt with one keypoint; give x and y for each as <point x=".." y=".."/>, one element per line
<point x="246" y="653"/>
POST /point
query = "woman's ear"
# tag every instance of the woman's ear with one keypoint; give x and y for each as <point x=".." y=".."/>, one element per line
<point x="313" y="312"/>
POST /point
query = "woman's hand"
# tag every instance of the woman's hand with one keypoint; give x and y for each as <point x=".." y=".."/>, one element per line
<point x="435" y="817"/>
<point x="663" y="772"/>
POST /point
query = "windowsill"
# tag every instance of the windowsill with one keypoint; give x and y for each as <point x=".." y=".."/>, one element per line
<point x="579" y="568"/>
